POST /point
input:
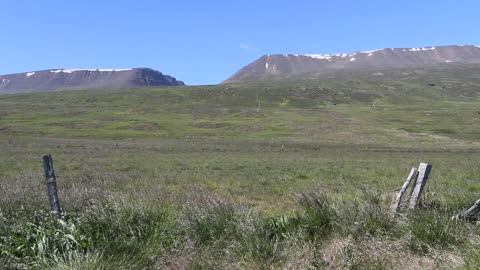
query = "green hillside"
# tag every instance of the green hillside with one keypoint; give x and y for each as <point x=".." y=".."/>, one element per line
<point x="413" y="109"/>
<point x="155" y="177"/>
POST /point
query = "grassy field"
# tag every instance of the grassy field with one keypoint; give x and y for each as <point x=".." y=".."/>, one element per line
<point x="279" y="175"/>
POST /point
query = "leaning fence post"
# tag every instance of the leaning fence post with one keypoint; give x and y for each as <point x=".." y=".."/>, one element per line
<point x="51" y="184"/>
<point x="472" y="211"/>
<point x="423" y="173"/>
<point x="398" y="200"/>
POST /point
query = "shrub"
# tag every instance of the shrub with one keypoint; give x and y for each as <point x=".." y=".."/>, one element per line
<point x="123" y="229"/>
<point x="317" y="218"/>
<point x="265" y="243"/>
<point x="432" y="229"/>
<point x="216" y="223"/>
<point x="39" y="237"/>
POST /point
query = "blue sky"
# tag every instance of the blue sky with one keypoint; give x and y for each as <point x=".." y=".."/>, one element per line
<point x="204" y="42"/>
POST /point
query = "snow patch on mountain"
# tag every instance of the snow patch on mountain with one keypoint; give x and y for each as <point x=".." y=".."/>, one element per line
<point x="368" y="53"/>
<point x="30" y="74"/>
<point x="371" y="51"/>
<point x="421" y="49"/>
<point x="318" y="56"/>
<point x="88" y="69"/>
<point x="329" y="57"/>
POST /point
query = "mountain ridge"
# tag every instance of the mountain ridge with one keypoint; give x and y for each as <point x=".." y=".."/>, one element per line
<point x="76" y="79"/>
<point x="273" y="66"/>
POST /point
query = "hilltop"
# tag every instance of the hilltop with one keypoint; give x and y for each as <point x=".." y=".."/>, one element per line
<point x="76" y="79"/>
<point x="284" y="66"/>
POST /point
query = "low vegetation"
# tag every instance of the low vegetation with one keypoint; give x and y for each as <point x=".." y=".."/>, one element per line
<point x="297" y="175"/>
<point x="207" y="231"/>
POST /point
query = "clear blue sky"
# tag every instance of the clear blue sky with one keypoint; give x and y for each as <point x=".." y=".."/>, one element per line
<point x="204" y="42"/>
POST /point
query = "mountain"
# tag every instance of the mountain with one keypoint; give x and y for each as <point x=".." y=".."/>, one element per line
<point x="289" y="65"/>
<point x="75" y="79"/>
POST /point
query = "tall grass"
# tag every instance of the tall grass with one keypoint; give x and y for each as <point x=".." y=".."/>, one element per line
<point x="324" y="233"/>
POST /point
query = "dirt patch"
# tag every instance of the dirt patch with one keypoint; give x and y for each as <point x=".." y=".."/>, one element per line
<point x="250" y="113"/>
<point x="211" y="124"/>
<point x="143" y="125"/>
<point x="209" y="111"/>
<point x="79" y="124"/>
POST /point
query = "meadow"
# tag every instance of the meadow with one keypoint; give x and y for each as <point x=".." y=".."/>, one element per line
<point x="294" y="174"/>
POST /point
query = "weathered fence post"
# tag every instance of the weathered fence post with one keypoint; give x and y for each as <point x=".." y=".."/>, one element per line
<point x="398" y="200"/>
<point x="51" y="184"/>
<point x="423" y="173"/>
<point x="471" y="212"/>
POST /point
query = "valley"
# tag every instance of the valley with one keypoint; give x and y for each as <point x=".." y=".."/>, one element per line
<point x="267" y="173"/>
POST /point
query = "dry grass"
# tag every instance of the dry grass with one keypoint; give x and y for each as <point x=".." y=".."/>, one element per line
<point x="203" y="179"/>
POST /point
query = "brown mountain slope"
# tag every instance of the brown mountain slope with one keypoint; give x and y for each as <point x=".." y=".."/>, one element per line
<point x="285" y="65"/>
<point x="74" y="79"/>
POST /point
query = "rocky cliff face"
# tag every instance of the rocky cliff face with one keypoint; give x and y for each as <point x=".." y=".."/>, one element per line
<point x="75" y="79"/>
<point x="285" y="65"/>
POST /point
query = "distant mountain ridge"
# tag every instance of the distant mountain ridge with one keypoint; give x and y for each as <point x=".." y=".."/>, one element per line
<point x="285" y="65"/>
<point x="75" y="79"/>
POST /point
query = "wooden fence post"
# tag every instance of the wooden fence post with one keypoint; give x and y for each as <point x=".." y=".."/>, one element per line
<point x="398" y="200"/>
<point x="51" y="184"/>
<point x="423" y="173"/>
<point x="472" y="211"/>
